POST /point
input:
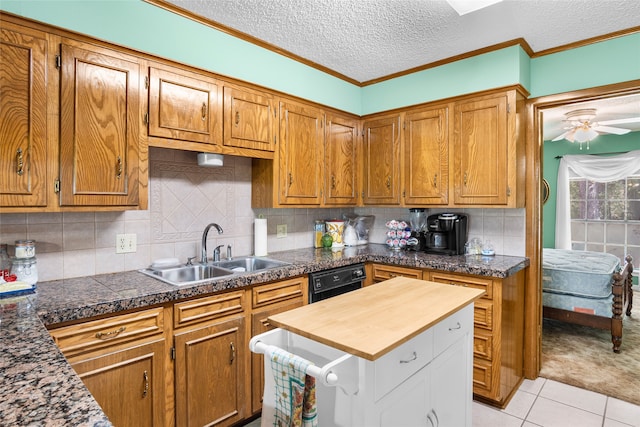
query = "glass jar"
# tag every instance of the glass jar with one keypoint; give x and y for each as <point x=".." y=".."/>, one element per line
<point x="25" y="270"/>
<point x="5" y="262"/>
<point x="25" y="248"/>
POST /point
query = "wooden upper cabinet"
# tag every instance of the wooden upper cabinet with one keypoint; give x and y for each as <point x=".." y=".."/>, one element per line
<point x="381" y="161"/>
<point x="488" y="156"/>
<point x="249" y="118"/>
<point x="23" y="117"/>
<point x="184" y="105"/>
<point x="340" y="160"/>
<point x="426" y="156"/>
<point x="100" y="144"/>
<point x="300" y="154"/>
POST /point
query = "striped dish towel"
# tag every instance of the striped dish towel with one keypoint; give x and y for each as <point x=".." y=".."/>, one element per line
<point x="295" y="391"/>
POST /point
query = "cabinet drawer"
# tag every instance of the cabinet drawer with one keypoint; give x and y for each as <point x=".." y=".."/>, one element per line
<point x="482" y="344"/>
<point x="482" y="381"/>
<point x="451" y="329"/>
<point x="483" y="314"/>
<point x="108" y="332"/>
<point x="272" y="293"/>
<point x="402" y="362"/>
<point x="384" y="272"/>
<point x="458" y="280"/>
<point x="208" y="308"/>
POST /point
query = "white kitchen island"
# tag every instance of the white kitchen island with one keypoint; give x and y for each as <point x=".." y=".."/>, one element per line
<point x="397" y="353"/>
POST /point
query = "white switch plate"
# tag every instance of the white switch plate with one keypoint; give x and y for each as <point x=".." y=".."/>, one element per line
<point x="281" y="231"/>
<point x="126" y="243"/>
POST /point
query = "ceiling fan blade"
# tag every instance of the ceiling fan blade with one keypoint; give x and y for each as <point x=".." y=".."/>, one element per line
<point x="609" y="129"/>
<point x="561" y="136"/>
<point x="620" y="121"/>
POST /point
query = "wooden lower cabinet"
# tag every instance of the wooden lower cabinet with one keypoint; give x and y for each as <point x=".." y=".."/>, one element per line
<point x="209" y="374"/>
<point x="498" y="333"/>
<point x="128" y="384"/>
<point x="211" y="354"/>
<point x="121" y="360"/>
<point x="267" y="300"/>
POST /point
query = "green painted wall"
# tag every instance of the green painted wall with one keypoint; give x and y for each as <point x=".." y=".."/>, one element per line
<point x="147" y="28"/>
<point x="503" y="67"/>
<point x="602" y="144"/>
<point x="144" y="27"/>
<point x="613" y="61"/>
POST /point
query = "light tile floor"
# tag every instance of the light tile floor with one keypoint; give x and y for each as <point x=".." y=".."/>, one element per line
<point x="548" y="403"/>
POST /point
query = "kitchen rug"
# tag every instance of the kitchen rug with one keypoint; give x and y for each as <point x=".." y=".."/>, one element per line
<point x="582" y="357"/>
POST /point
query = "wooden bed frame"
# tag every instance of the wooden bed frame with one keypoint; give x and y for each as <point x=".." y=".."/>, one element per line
<point x="622" y="304"/>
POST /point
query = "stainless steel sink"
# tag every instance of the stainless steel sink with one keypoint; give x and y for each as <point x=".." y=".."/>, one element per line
<point x="187" y="274"/>
<point x="250" y="264"/>
<point x="190" y="274"/>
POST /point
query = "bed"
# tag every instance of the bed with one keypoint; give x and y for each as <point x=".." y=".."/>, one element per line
<point x="587" y="288"/>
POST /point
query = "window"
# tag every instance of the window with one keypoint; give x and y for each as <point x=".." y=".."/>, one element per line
<point x="605" y="217"/>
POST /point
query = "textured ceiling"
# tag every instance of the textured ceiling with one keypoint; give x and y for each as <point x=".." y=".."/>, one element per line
<point x="369" y="39"/>
<point x="365" y="40"/>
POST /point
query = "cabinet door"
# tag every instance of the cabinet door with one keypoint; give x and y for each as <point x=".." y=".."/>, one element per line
<point x="480" y="151"/>
<point x="341" y="142"/>
<point x="381" y="161"/>
<point x="260" y="324"/>
<point x="184" y="106"/>
<point x="409" y="404"/>
<point x="451" y="385"/>
<point x="301" y="144"/>
<point x="23" y="117"/>
<point x="209" y="374"/>
<point x="248" y="119"/>
<point x="128" y="384"/>
<point x="426" y="157"/>
<point x="99" y="128"/>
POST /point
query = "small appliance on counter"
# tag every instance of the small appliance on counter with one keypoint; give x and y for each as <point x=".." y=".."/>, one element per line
<point x="417" y="221"/>
<point x="446" y="234"/>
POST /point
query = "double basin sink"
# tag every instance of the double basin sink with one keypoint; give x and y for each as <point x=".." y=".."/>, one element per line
<point x="190" y="274"/>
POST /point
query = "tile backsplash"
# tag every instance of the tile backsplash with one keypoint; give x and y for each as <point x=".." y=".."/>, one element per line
<point x="183" y="199"/>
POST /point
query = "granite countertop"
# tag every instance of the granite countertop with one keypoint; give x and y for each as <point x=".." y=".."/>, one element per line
<point x="39" y="387"/>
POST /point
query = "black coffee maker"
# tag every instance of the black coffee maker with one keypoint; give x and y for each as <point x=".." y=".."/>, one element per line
<point x="446" y="234"/>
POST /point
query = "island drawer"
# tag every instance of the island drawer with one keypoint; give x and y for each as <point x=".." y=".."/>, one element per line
<point x="402" y="362"/>
<point x="96" y="334"/>
<point x="451" y="329"/>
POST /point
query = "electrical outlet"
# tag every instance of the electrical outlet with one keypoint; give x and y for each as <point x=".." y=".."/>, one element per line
<point x="126" y="243"/>
<point x="281" y="231"/>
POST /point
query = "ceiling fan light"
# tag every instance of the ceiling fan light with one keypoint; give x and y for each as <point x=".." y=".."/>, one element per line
<point x="585" y="135"/>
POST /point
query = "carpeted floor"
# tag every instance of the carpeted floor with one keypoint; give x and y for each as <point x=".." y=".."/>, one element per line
<point x="582" y="356"/>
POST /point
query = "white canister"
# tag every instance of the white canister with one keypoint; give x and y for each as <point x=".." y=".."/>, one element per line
<point x="25" y="270"/>
<point x="25" y="248"/>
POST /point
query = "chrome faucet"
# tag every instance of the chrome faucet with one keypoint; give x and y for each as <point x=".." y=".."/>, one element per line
<point x="216" y="253"/>
<point x="203" y="256"/>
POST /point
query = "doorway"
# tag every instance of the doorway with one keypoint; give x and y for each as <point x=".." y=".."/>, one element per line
<point x="535" y="145"/>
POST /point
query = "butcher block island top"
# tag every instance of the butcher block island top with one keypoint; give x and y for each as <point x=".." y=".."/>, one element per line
<point x="374" y="320"/>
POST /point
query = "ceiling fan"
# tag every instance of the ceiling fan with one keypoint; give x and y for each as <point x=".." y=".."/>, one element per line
<point x="582" y="127"/>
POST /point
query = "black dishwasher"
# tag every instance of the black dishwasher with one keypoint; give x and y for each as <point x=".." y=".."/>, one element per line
<point x="329" y="283"/>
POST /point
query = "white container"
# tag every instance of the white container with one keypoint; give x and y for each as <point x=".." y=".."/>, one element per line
<point x="25" y="248"/>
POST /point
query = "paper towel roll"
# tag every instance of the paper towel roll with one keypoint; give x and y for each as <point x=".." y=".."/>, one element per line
<point x="260" y="237"/>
